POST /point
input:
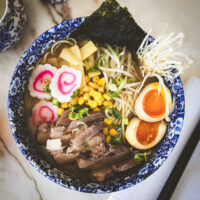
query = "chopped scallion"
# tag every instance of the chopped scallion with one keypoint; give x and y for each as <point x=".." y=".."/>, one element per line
<point x="75" y="93"/>
<point x="113" y="94"/>
<point x="126" y="121"/>
<point x="92" y="69"/>
<point x="131" y="80"/>
<point x="116" y="113"/>
<point x="55" y="101"/>
<point x="85" y="144"/>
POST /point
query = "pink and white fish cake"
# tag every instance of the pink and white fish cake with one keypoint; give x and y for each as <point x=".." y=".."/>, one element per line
<point x="44" y="111"/>
<point x="64" y="82"/>
<point x="40" y="79"/>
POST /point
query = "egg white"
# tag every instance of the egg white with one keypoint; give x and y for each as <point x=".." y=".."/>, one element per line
<point x="131" y="131"/>
<point x="139" y="104"/>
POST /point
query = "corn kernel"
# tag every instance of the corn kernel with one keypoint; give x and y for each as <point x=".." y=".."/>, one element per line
<point x="100" y="89"/>
<point x="102" y="82"/>
<point x="94" y="85"/>
<point x="97" y="95"/>
<point x="105" y="131"/>
<point x="81" y="101"/>
<point x="106" y="96"/>
<point x="99" y="102"/>
<point x="74" y="101"/>
<point x="96" y="109"/>
<point x="91" y="93"/>
<point x="108" y="121"/>
<point x="64" y="105"/>
<point x="60" y="111"/>
<point x="106" y="103"/>
<point x="87" y="88"/>
<point x="81" y="92"/>
<point x="108" y="138"/>
<point x="92" y="104"/>
<point x="110" y="105"/>
<point x="86" y="96"/>
<point x="95" y="79"/>
<point x="113" y="132"/>
<point x="87" y="79"/>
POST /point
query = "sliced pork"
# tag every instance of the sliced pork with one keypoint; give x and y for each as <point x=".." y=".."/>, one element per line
<point x="43" y="132"/>
<point x="85" y="136"/>
<point x="64" y="120"/>
<point x="64" y="158"/>
<point x="92" y="144"/>
<point x="123" y="166"/>
<point x="102" y="174"/>
<point x="57" y="131"/>
<point x="95" y="116"/>
<point x="98" y="151"/>
<point x="117" y="154"/>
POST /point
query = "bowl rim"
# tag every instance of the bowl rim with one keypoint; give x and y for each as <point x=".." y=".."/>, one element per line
<point x="92" y="187"/>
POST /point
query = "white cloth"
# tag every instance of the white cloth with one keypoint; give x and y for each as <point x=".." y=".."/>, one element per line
<point x="150" y="188"/>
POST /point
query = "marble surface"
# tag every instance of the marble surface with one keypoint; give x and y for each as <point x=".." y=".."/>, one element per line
<point x="15" y="171"/>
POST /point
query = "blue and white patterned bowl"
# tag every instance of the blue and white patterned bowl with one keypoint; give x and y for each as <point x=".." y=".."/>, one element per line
<point x="12" y="24"/>
<point x="30" y="149"/>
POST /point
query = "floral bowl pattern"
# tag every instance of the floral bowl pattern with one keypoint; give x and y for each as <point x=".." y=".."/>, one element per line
<point x="30" y="149"/>
<point x="12" y="24"/>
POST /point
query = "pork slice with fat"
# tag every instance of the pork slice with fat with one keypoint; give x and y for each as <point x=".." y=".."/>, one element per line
<point x="95" y="116"/>
<point x="118" y="154"/>
<point x="57" y="131"/>
<point x="85" y="136"/>
<point x="102" y="174"/>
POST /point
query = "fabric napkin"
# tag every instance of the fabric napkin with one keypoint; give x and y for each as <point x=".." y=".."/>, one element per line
<point x="150" y="188"/>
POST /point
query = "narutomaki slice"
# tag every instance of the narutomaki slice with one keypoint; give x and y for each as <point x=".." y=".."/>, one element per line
<point x="64" y="82"/>
<point x="40" y="79"/>
<point x="44" y="111"/>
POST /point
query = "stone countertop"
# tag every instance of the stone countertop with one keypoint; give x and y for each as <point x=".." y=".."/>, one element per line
<point x="18" y="179"/>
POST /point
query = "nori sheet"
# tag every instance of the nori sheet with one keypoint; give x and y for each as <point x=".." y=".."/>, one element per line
<point x="111" y="24"/>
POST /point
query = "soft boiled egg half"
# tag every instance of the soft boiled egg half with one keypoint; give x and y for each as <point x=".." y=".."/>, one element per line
<point x="154" y="103"/>
<point x="144" y="135"/>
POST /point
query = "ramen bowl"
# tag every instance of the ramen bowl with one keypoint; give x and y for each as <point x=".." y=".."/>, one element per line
<point x="12" y="23"/>
<point x="30" y="148"/>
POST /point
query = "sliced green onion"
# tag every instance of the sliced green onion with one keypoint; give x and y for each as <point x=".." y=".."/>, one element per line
<point x="131" y="80"/>
<point x="92" y="69"/>
<point x="85" y="144"/>
<point x="117" y="139"/>
<point x="83" y="111"/>
<point x="145" y="156"/>
<point x="137" y="158"/>
<point x="72" y="116"/>
<point x="55" y="101"/>
<point x="117" y="127"/>
<point x="116" y="113"/>
<point x="47" y="90"/>
<point x="113" y="80"/>
<point x="126" y="121"/>
<point x="74" y="108"/>
<point x="108" y="113"/>
<point x="75" y="93"/>
<point x="113" y="94"/>
<point x="119" y="81"/>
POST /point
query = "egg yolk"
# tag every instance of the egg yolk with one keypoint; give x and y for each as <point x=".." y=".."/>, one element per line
<point x="147" y="132"/>
<point x="154" y="104"/>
